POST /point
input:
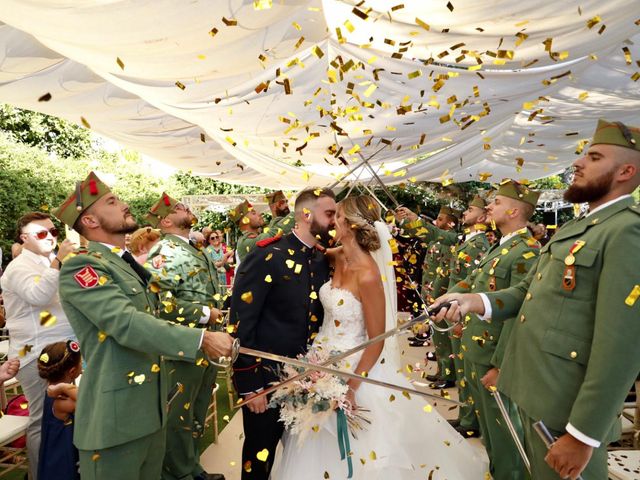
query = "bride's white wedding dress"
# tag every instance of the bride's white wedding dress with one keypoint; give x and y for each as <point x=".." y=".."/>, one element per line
<point x="407" y="438"/>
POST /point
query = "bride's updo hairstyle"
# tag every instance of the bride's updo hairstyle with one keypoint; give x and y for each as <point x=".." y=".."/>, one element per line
<point x="360" y="213"/>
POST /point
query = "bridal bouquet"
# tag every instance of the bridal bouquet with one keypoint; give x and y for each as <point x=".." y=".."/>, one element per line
<point x="305" y="404"/>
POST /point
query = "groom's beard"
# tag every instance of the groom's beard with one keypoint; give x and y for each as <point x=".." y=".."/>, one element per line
<point x="321" y="232"/>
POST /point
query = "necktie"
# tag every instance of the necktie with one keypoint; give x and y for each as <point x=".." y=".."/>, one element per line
<point x="139" y="269"/>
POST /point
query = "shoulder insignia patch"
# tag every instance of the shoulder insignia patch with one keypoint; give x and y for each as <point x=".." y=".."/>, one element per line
<point x="158" y="262"/>
<point x="269" y="241"/>
<point x="87" y="277"/>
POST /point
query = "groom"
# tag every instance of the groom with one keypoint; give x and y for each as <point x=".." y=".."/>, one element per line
<point x="275" y="308"/>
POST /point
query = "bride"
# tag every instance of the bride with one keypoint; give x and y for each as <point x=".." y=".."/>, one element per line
<point x="407" y="438"/>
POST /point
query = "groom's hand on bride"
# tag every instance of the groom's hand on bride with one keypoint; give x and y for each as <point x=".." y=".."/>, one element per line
<point x="257" y="405"/>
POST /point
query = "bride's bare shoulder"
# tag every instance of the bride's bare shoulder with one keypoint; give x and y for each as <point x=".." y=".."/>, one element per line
<point x="333" y="253"/>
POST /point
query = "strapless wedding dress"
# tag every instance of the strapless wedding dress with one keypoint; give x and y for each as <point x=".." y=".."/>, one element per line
<point x="407" y="437"/>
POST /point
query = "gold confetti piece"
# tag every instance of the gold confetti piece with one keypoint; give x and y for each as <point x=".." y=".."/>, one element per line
<point x="416" y="74"/>
<point x="229" y="22"/>
<point x="427" y="408"/>
<point x="95" y="457"/>
<point x="186" y="405"/>
<point x="24" y="350"/>
<point x="262" y="455"/>
<point x="268" y="279"/>
<point x="247" y="466"/>
<point x="336" y="323"/>
<point x="262" y="4"/>
<point x="593" y="21"/>
<point x="290" y="263"/>
<point x="326" y="475"/>
<point x="120" y="63"/>
<point x="139" y="379"/>
<point x="583" y="96"/>
<point x="298" y="269"/>
<point x="528" y="255"/>
<point x="247" y="297"/>
<point x="44" y="358"/>
<point x="268" y="257"/>
<point x="180" y="85"/>
<point x="232" y="142"/>
<point x="213" y="32"/>
<point x="47" y="319"/>
<point x="340" y="302"/>
<point x="633" y="296"/>
<point x="373" y="455"/>
<point x="392" y="398"/>
<point x="406" y="394"/>
<point x="317" y="51"/>
<point x="316" y="428"/>
<point x="45" y="98"/>
<point x="155" y="368"/>
<point x="85" y="122"/>
<point x="226" y="418"/>
<point x="296" y="25"/>
<point x="349" y="26"/>
<point x="450" y="6"/>
<point x="369" y="91"/>
<point x="102" y="336"/>
<point x="313" y="296"/>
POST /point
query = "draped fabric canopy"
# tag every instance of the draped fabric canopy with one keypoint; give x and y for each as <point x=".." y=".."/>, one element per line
<point x="285" y="93"/>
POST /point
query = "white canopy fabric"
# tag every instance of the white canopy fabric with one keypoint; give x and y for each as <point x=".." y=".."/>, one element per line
<point x="288" y="93"/>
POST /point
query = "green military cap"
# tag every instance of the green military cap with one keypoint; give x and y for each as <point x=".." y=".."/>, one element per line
<point x="616" y="133"/>
<point x="518" y="191"/>
<point x="452" y="212"/>
<point x="478" y="201"/>
<point x="275" y="197"/>
<point x="86" y="194"/>
<point x="161" y="209"/>
<point x="236" y="214"/>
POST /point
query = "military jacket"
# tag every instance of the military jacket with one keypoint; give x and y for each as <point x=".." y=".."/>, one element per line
<point x="275" y="306"/>
<point x="123" y="393"/>
<point x="574" y="353"/>
<point x="466" y="257"/>
<point x="278" y="225"/>
<point x="185" y="279"/>
<point x="504" y="265"/>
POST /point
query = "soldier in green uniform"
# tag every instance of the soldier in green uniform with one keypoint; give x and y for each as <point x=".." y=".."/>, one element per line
<point x="250" y="224"/>
<point x="573" y="352"/>
<point x="440" y="237"/>
<point x="122" y="405"/>
<point x="481" y="345"/>
<point x="466" y="257"/>
<point x="281" y="216"/>
<point x="186" y="281"/>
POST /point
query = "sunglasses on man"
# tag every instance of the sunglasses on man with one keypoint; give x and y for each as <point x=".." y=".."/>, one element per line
<point x="42" y="234"/>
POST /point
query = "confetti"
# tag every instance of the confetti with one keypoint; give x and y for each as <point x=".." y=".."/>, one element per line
<point x="45" y="98"/>
<point x="47" y="319"/>
<point x="633" y="296"/>
<point x="262" y="4"/>
<point x="44" y="358"/>
<point x="247" y="297"/>
<point x="268" y="279"/>
<point x="120" y="62"/>
<point x="180" y="85"/>
<point x="24" y="350"/>
<point x="262" y="455"/>
<point x="85" y="122"/>
<point x="102" y="336"/>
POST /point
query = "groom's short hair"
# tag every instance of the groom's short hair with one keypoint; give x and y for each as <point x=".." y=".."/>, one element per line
<point x="309" y="196"/>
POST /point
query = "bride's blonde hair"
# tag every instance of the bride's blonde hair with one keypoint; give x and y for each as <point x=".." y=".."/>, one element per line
<point x="360" y="213"/>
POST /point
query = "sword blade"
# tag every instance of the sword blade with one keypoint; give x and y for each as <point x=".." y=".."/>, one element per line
<point x="512" y="429"/>
<point x="341" y="356"/>
<point x="340" y="373"/>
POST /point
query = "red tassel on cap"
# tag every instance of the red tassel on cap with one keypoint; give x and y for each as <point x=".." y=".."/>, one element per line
<point x="167" y="202"/>
<point x="93" y="187"/>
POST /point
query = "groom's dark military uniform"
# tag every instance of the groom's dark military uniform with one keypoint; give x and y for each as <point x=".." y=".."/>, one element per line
<point x="275" y="307"/>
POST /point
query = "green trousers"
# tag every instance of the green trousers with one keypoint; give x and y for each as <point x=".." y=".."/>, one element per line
<point x="536" y="451"/>
<point x="505" y="461"/>
<point x="442" y="342"/>
<point x="200" y="408"/>
<point x="140" y="459"/>
<point x="181" y="458"/>
<point x="466" y="414"/>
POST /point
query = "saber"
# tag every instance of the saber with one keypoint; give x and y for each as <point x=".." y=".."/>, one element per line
<point x="512" y="430"/>
<point x="547" y="438"/>
<point x="235" y="351"/>
<point x="340" y="373"/>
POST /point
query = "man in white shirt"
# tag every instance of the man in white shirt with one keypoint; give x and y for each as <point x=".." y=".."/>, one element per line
<point x="34" y="315"/>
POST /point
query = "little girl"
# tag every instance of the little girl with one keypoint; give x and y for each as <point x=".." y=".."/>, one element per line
<point x="59" y="364"/>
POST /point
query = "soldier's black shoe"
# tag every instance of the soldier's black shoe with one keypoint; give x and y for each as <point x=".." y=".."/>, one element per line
<point x="441" y="384"/>
<point x="431" y="356"/>
<point x="433" y="378"/>
<point x="418" y="343"/>
<point x="467" y="432"/>
<point x="210" y="476"/>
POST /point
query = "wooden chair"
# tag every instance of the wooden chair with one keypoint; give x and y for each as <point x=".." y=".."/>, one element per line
<point x="12" y="427"/>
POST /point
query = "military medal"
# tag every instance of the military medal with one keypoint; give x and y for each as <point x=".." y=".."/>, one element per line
<point x="492" y="283"/>
<point x="569" y="274"/>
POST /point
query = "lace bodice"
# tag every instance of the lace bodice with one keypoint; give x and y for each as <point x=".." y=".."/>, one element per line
<point x="343" y="325"/>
